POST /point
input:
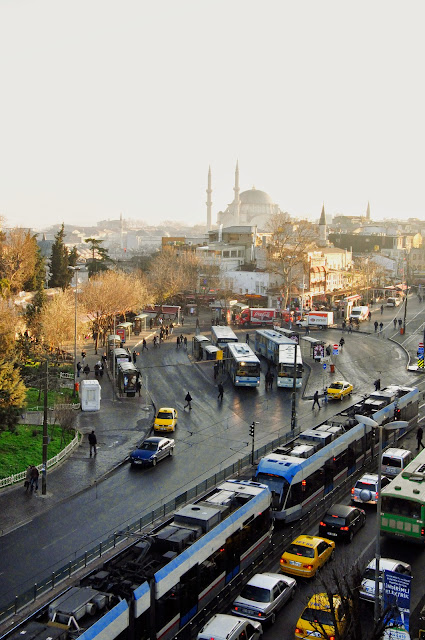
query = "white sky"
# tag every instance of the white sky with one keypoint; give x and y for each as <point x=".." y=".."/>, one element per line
<point x="109" y="107"/>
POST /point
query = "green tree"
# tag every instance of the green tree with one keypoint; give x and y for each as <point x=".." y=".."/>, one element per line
<point x="35" y="281"/>
<point x="61" y="276"/>
<point x="12" y="395"/>
<point x="100" y="257"/>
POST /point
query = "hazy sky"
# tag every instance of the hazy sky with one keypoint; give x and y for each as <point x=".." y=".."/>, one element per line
<point x="109" y="107"/>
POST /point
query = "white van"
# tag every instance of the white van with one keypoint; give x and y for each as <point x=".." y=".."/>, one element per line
<point x="224" y="627"/>
<point x="393" y="302"/>
<point x="394" y="461"/>
<point x="358" y="314"/>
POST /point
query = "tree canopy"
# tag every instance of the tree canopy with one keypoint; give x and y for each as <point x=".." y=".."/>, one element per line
<point x="60" y="260"/>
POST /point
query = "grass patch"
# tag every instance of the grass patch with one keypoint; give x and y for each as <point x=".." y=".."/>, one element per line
<point x="24" y="447"/>
<point x="53" y="397"/>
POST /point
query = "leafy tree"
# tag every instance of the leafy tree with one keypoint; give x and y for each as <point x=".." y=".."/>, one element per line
<point x="100" y="257"/>
<point x="57" y="320"/>
<point x="60" y="260"/>
<point x="7" y="329"/>
<point x="18" y="259"/>
<point x="12" y="395"/>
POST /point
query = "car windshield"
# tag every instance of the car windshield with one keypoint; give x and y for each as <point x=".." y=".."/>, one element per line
<point x="365" y="485"/>
<point x="391" y="462"/>
<point x="300" y="550"/>
<point x="149" y="446"/>
<point x="258" y="594"/>
<point x="369" y="574"/>
<point x="318" y="616"/>
<point x="164" y="415"/>
<point x="336" y="385"/>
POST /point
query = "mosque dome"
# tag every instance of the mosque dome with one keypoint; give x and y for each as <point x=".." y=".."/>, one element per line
<point x="255" y="196"/>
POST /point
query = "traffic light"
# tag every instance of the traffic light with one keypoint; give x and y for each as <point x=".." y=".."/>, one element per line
<point x="252" y="430"/>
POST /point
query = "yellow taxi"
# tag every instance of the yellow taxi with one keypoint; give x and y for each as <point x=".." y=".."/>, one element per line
<point x="318" y="620"/>
<point x="166" y="419"/>
<point x="339" y="389"/>
<point x="305" y="555"/>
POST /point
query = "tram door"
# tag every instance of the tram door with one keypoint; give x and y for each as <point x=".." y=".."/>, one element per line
<point x="233" y="557"/>
<point x="189" y="589"/>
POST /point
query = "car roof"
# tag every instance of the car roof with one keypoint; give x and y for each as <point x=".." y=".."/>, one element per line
<point x="166" y="409"/>
<point x="155" y="439"/>
<point x="308" y="541"/>
<point x="321" y="601"/>
<point x="340" y="510"/>
<point x="265" y="580"/>
<point x="386" y="564"/>
<point x="339" y="382"/>
<point x="369" y="477"/>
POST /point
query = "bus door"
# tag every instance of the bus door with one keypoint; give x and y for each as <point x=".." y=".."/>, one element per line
<point x="328" y="476"/>
<point x="233" y="558"/>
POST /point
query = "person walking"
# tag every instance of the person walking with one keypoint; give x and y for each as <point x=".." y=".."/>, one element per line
<point x="381" y="326"/>
<point x="350" y="327"/>
<point x="34" y="479"/>
<point x="188" y="399"/>
<point x="344" y="324"/>
<point x="342" y="343"/>
<point x="92" y="443"/>
<point x="154" y="342"/>
<point x="382" y="309"/>
<point x="369" y="316"/>
<point x="171" y="328"/>
<point x="28" y="478"/>
<point x="86" y="370"/>
<point x="78" y="369"/>
<point x="419" y="436"/>
<point x="185" y="342"/>
<point x="220" y="391"/>
<point x="178" y="342"/>
<point x="134" y="356"/>
<point x="400" y="322"/>
<point x="316" y="400"/>
<point x="215" y="370"/>
<point x="96" y="370"/>
<point x="182" y="321"/>
<point x="376" y="324"/>
<point x="377" y="384"/>
<point x="139" y="387"/>
<point x="247" y="338"/>
<point x="395" y="323"/>
<point x="144" y="344"/>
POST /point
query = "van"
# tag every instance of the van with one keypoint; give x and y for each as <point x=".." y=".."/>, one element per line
<point x="358" y="314"/>
<point x="393" y="302"/>
<point x="394" y="461"/>
<point x="224" y="627"/>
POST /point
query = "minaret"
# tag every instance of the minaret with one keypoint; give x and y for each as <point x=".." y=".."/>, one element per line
<point x="209" y="201"/>
<point x="323" y="240"/>
<point x="368" y="212"/>
<point x="236" y="201"/>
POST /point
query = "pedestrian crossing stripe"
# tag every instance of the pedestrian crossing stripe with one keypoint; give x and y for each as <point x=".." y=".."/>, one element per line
<point x="420" y="363"/>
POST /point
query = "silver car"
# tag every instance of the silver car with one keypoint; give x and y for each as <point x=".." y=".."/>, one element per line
<point x="367" y="589"/>
<point x="365" y="490"/>
<point x="263" y="596"/>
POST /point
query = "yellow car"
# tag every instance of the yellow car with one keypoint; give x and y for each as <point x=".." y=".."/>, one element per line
<point x="305" y="556"/>
<point x="339" y="389"/>
<point x="317" y="619"/>
<point x="166" y="419"/>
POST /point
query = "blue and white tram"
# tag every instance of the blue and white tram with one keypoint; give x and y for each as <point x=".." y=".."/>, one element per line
<point x="300" y="473"/>
<point x="243" y="365"/>
<point x="157" y="585"/>
<point x="267" y="342"/>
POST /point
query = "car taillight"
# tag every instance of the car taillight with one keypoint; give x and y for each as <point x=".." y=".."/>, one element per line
<point x="299" y="630"/>
<point x="307" y="566"/>
<point x="352" y="491"/>
<point x="322" y="524"/>
<point x="283" y="561"/>
<point x="422" y="532"/>
<point x="235" y="608"/>
<point x="344" y="528"/>
<point x="376" y="495"/>
<point x="331" y="637"/>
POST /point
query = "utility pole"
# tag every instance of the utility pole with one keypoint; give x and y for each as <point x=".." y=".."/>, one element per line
<point x="252" y="434"/>
<point x="45" y="435"/>
<point x="294" y="392"/>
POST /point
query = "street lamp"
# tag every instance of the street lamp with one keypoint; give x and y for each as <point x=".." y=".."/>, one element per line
<point x="75" y="270"/>
<point x="390" y="426"/>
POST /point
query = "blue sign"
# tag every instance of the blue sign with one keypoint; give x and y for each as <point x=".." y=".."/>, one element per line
<point x="397" y="596"/>
<point x="324" y="365"/>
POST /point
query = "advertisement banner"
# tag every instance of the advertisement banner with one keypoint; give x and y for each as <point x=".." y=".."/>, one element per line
<point x="397" y="596"/>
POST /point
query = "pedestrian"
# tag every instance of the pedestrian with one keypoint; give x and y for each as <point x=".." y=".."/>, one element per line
<point x="350" y="327"/>
<point x="185" y="342"/>
<point x="369" y="316"/>
<point x="381" y="326"/>
<point x="247" y="338"/>
<point x="377" y="384"/>
<point x="382" y="309"/>
<point x="188" y="399"/>
<point x="178" y="342"/>
<point x="154" y="342"/>
<point x="86" y="370"/>
<point x="171" y="328"/>
<point x="316" y="400"/>
<point x="197" y="323"/>
<point x="344" y="324"/>
<point x="104" y="358"/>
<point x="28" y="478"/>
<point x="215" y="370"/>
<point x="144" y="344"/>
<point x="166" y="332"/>
<point x="182" y="320"/>
<point x="83" y="356"/>
<point x="271" y="378"/>
<point x="376" y="324"/>
<point x="34" y="479"/>
<point x="150" y="323"/>
<point x="92" y="443"/>
<point x="96" y="370"/>
<point x="138" y="387"/>
<point x="342" y="343"/>
<point x="395" y="323"/>
<point x="78" y="369"/>
<point x="307" y="329"/>
<point x="419" y="436"/>
<point x="328" y="350"/>
<point x="220" y="391"/>
<point x="134" y="356"/>
<point x="101" y="370"/>
<point x="400" y="322"/>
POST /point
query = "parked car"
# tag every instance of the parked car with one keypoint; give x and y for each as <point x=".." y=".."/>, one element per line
<point x="166" y="419"/>
<point x="366" y="488"/>
<point x="152" y="450"/>
<point x="393" y="302"/>
<point x="317" y="619"/>
<point x="367" y="588"/>
<point x="341" y="522"/>
<point x="263" y="596"/>
<point x="305" y="555"/>
<point x="339" y="389"/>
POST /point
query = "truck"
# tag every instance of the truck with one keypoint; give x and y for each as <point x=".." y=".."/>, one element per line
<point x="256" y="317"/>
<point x="319" y="319"/>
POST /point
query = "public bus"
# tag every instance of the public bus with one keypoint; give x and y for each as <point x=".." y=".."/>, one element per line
<point x="243" y="365"/>
<point x="221" y="336"/>
<point x="403" y="503"/>
<point x="156" y="586"/>
<point x="267" y="342"/>
<point x="286" y="366"/>
<point x="303" y="471"/>
<point x="288" y="333"/>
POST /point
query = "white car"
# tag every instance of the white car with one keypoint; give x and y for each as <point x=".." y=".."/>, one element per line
<point x="367" y="588"/>
<point x="263" y="596"/>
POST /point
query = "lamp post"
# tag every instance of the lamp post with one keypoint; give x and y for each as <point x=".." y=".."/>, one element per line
<point x="390" y="426"/>
<point x="75" y="270"/>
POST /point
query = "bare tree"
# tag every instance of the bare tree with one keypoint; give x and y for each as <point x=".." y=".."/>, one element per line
<point x="8" y="321"/>
<point x="18" y="259"/>
<point x="57" y="320"/>
<point x="65" y="416"/>
<point x="172" y="272"/>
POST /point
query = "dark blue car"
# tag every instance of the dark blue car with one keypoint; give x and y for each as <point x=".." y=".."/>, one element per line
<point x="152" y="450"/>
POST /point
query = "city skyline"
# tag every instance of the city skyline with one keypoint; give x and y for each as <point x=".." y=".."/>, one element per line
<point x="111" y="109"/>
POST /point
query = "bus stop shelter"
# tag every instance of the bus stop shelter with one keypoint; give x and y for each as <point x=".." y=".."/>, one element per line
<point x="140" y="323"/>
<point x="210" y="351"/>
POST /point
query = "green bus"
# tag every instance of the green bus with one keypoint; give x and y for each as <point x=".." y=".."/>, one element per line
<point x="403" y="503"/>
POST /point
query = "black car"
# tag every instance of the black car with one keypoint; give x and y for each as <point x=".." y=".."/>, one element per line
<point x="342" y="522"/>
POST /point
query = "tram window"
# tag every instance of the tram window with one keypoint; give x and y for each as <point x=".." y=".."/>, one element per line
<point x="168" y="607"/>
<point x="351" y="457"/>
<point x="340" y="462"/>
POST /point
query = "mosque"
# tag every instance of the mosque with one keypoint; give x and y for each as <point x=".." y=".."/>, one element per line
<point x="253" y="207"/>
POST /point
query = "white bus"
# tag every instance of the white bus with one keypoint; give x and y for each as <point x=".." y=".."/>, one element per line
<point x="267" y="343"/>
<point x="288" y="333"/>
<point x="285" y="367"/>
<point x="243" y="365"/>
<point x="221" y="336"/>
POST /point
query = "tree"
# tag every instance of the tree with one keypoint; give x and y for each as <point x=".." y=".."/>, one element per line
<point x="171" y="273"/>
<point x="57" y="319"/>
<point x="18" y="259"/>
<point x="100" y="257"/>
<point x="287" y="252"/>
<point x="8" y="322"/>
<point x="61" y="276"/>
<point x="12" y="395"/>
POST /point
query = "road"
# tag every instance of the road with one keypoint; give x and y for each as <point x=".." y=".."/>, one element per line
<point x="208" y="438"/>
